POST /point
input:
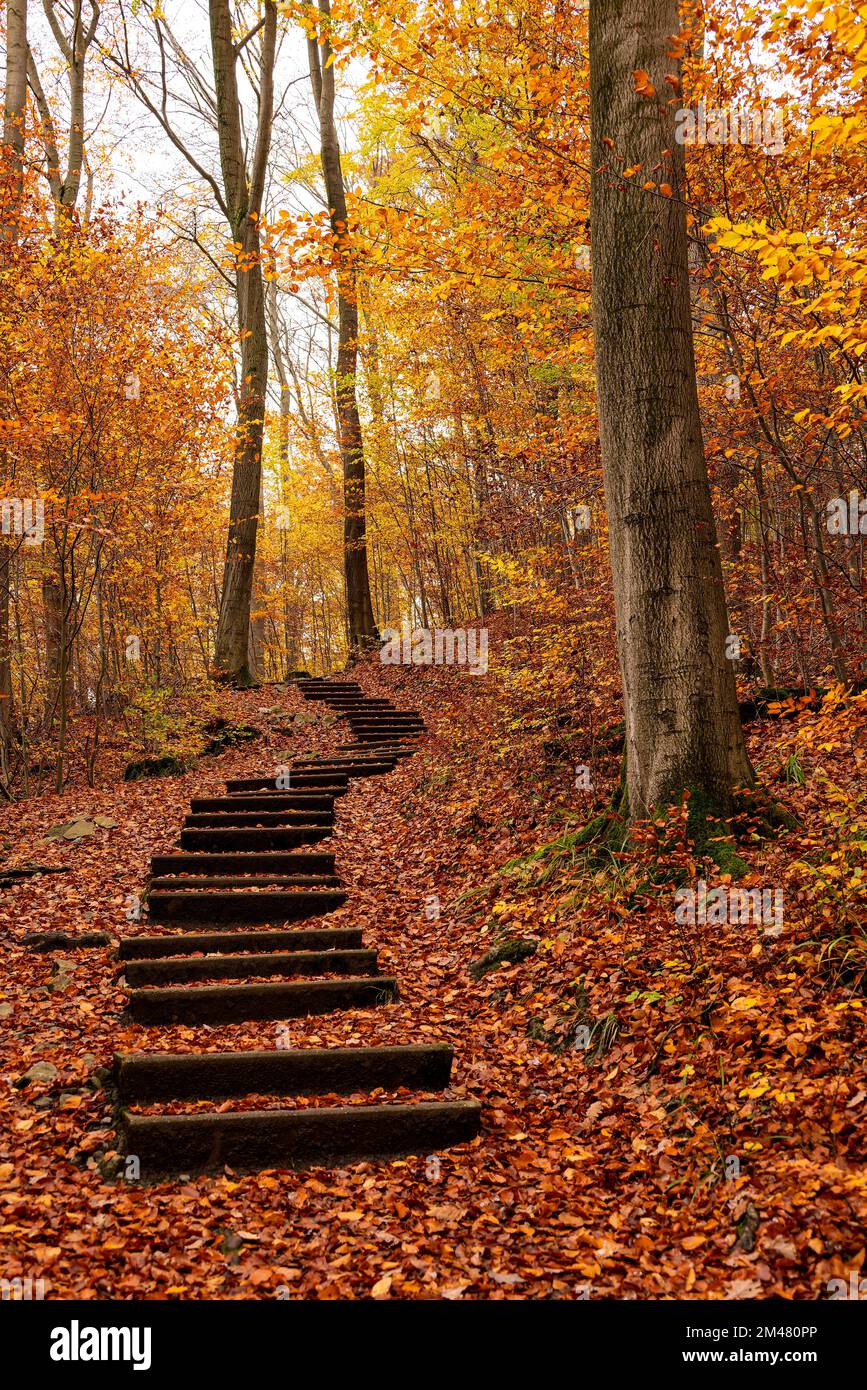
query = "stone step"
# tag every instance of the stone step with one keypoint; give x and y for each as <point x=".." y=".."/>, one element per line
<point x="388" y="721"/>
<point x="215" y="839"/>
<point x="293" y="818"/>
<point x="288" y="819"/>
<point x="327" y="682"/>
<point x="171" y="970"/>
<point x="332" y="1135"/>
<point x="372" y="767"/>
<point x="334" y="692"/>
<point x="297" y="862"/>
<point x="265" y="801"/>
<point x="242" y="819"/>
<point x="372" y="706"/>
<point x="239" y="1003"/>
<point x="274" y="905"/>
<point x="197" y="883"/>
<point x="380" y="736"/>
<point x="240" y="941"/>
<point x="148" y="1077"/>
<point x="323" y="782"/>
<point x="353" y="697"/>
<point x="390" y="750"/>
<point x="341" y="762"/>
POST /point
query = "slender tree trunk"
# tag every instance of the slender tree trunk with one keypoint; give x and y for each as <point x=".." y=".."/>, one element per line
<point x="14" y="114"/>
<point x="360" y="620"/>
<point x="682" y="722"/>
<point x="244" y="205"/>
<point x="15" y="102"/>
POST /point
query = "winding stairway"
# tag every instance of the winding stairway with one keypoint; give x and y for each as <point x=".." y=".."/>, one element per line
<point x="250" y="864"/>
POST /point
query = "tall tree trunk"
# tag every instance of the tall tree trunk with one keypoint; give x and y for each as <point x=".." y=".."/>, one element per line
<point x="14" y="115"/>
<point x="15" y="104"/>
<point x="682" y="722"/>
<point x="243" y="198"/>
<point x="360" y="620"/>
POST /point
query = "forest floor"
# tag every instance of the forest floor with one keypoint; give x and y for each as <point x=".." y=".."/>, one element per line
<point x="707" y="1143"/>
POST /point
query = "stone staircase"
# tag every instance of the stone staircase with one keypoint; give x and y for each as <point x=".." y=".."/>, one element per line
<point x="250" y="863"/>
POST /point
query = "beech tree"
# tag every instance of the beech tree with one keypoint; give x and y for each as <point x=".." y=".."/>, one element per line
<point x="14" y="116"/>
<point x="238" y="193"/>
<point x="361" y="625"/>
<point x="683" y="726"/>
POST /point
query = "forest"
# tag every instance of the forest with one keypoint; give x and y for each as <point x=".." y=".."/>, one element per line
<point x="433" y="658"/>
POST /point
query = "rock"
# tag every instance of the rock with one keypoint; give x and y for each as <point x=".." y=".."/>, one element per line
<point x="507" y="951"/>
<point x="61" y="941"/>
<point x="747" y="1226"/>
<point x="40" y="1071"/>
<point x="62" y="977"/>
<point x="79" y="827"/>
<point x="72" y="829"/>
<point x="224" y="735"/>
<point x="169" y="765"/>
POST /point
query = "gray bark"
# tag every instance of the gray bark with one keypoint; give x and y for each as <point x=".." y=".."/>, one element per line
<point x="682" y="723"/>
<point x="243" y="200"/>
<point x="14" y="114"/>
<point x="362" y="630"/>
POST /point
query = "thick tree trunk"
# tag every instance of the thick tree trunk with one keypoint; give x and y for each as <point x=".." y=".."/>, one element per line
<point x="360" y="620"/>
<point x="682" y="723"/>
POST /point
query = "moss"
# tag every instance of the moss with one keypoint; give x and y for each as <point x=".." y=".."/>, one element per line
<point x="709" y="829"/>
<point x="238" y="680"/>
<point x="168" y="766"/>
<point x="223" y="735"/>
<point x="508" y="951"/>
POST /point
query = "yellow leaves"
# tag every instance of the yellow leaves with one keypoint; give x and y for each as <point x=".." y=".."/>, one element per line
<point x="759" y="1086"/>
<point x="838" y="132"/>
<point x="642" y="83"/>
<point x="745" y="1002"/>
<point x="632" y="169"/>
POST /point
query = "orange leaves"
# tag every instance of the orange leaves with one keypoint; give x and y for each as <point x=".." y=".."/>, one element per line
<point x="642" y="83"/>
